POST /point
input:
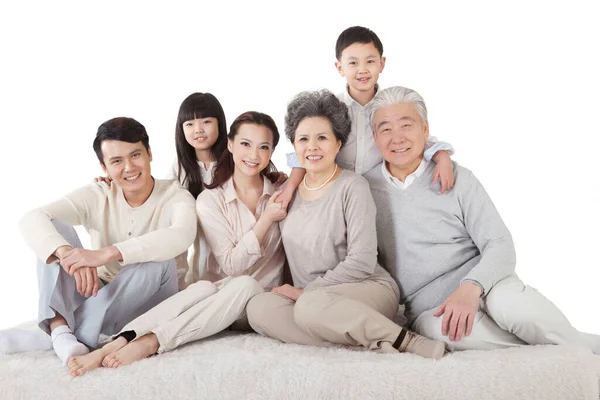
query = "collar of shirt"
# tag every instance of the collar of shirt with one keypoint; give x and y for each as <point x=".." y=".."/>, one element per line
<point x="409" y="179"/>
<point x="211" y="166"/>
<point x="349" y="101"/>
<point x="230" y="193"/>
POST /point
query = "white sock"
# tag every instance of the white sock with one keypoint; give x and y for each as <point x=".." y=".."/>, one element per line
<point x="66" y="345"/>
<point x="18" y="340"/>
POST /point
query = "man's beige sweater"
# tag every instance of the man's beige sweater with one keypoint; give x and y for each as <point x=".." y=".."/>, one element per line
<point x="160" y="229"/>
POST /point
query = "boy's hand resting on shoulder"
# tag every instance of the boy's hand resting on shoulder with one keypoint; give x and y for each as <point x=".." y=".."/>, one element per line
<point x="443" y="171"/>
<point x="459" y="311"/>
<point x="288" y="291"/>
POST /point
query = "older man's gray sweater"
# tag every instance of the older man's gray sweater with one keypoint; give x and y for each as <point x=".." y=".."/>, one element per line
<point x="431" y="242"/>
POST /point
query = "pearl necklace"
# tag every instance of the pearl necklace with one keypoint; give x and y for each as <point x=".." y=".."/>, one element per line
<point x="324" y="183"/>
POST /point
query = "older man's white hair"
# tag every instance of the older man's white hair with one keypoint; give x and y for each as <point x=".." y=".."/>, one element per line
<point x="396" y="95"/>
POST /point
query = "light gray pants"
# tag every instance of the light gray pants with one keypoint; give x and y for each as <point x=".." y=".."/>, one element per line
<point x="136" y="289"/>
<point x="512" y="314"/>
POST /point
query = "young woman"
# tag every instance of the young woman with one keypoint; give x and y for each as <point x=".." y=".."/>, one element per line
<point x="238" y="215"/>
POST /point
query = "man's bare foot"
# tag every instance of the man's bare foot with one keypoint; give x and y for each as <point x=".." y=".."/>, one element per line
<point x="134" y="351"/>
<point x="79" y="365"/>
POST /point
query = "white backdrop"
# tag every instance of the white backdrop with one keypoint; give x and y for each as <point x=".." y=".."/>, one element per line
<point x="514" y="87"/>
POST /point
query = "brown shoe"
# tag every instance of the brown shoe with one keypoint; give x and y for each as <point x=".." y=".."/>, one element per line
<point x="422" y="346"/>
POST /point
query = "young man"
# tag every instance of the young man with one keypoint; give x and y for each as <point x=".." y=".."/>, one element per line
<point x="360" y="60"/>
<point x="451" y="254"/>
<point x="139" y="228"/>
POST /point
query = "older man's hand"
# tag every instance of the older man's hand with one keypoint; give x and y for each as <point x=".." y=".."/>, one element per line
<point x="459" y="311"/>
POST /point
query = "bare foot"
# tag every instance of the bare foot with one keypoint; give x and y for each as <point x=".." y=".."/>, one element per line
<point x="79" y="365"/>
<point x="134" y="351"/>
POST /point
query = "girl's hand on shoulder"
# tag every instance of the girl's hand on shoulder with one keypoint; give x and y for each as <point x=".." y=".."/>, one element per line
<point x="104" y="179"/>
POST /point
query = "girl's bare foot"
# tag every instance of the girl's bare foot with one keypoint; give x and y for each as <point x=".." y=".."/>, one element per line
<point x="79" y="365"/>
<point x="134" y="351"/>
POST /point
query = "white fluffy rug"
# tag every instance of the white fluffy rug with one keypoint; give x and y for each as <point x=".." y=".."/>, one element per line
<point x="247" y="366"/>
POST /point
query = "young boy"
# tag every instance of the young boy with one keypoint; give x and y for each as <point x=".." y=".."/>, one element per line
<point x="360" y="60"/>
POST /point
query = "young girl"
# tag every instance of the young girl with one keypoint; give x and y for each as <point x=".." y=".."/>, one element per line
<point x="238" y="215"/>
<point x="200" y="139"/>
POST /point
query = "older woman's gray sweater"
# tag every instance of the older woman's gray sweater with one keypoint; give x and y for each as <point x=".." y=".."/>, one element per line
<point x="333" y="239"/>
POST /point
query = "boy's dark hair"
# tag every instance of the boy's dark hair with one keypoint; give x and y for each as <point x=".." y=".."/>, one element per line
<point x="356" y="34"/>
<point x="123" y="129"/>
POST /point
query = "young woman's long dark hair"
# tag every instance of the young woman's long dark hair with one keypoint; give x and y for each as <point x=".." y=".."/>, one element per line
<point x="197" y="105"/>
<point x="225" y="165"/>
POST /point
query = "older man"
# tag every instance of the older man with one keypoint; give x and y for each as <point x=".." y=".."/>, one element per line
<point x="451" y="254"/>
<point x="139" y="228"/>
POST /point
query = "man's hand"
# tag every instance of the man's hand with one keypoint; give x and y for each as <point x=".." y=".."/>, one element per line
<point x="79" y="258"/>
<point x="288" y="291"/>
<point x="86" y="281"/>
<point x="459" y="311"/>
<point x="443" y="171"/>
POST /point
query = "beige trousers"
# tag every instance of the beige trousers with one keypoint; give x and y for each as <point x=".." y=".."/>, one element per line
<point x="199" y="311"/>
<point x="355" y="314"/>
<point x="512" y="314"/>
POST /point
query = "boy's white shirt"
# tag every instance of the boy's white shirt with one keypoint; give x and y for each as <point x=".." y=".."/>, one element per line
<point x="360" y="154"/>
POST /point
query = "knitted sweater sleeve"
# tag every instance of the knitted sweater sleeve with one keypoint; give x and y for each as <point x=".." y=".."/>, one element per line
<point x="489" y="233"/>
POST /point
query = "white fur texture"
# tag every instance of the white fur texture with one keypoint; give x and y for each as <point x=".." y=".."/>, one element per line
<point x="247" y="366"/>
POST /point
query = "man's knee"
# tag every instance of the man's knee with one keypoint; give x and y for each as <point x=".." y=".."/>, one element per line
<point x="308" y="310"/>
<point x="509" y="297"/>
<point x="429" y="326"/>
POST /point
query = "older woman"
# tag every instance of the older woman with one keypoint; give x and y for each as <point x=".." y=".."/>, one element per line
<point x="341" y="295"/>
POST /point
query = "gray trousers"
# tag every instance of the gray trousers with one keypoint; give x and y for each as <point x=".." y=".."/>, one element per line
<point x="136" y="289"/>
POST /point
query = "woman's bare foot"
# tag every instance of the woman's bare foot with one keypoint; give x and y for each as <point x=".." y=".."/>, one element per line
<point x="79" y="365"/>
<point x="134" y="351"/>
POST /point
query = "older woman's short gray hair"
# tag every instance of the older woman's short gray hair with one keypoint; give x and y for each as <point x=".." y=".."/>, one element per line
<point x="319" y="103"/>
<point x="395" y="95"/>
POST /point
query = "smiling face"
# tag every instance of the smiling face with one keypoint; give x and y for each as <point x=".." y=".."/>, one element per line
<point x="201" y="133"/>
<point x="251" y="148"/>
<point x="128" y="164"/>
<point x="361" y="65"/>
<point x="400" y="135"/>
<point x="316" y="145"/>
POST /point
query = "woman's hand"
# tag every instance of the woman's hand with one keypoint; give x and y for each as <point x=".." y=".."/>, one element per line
<point x="274" y="211"/>
<point x="288" y="291"/>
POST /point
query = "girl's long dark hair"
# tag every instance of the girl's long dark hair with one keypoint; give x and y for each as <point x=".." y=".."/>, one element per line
<point x="225" y="165"/>
<point x="197" y="105"/>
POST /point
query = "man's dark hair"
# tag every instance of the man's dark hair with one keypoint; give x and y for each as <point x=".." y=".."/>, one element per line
<point x="356" y="34"/>
<point x="123" y="129"/>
